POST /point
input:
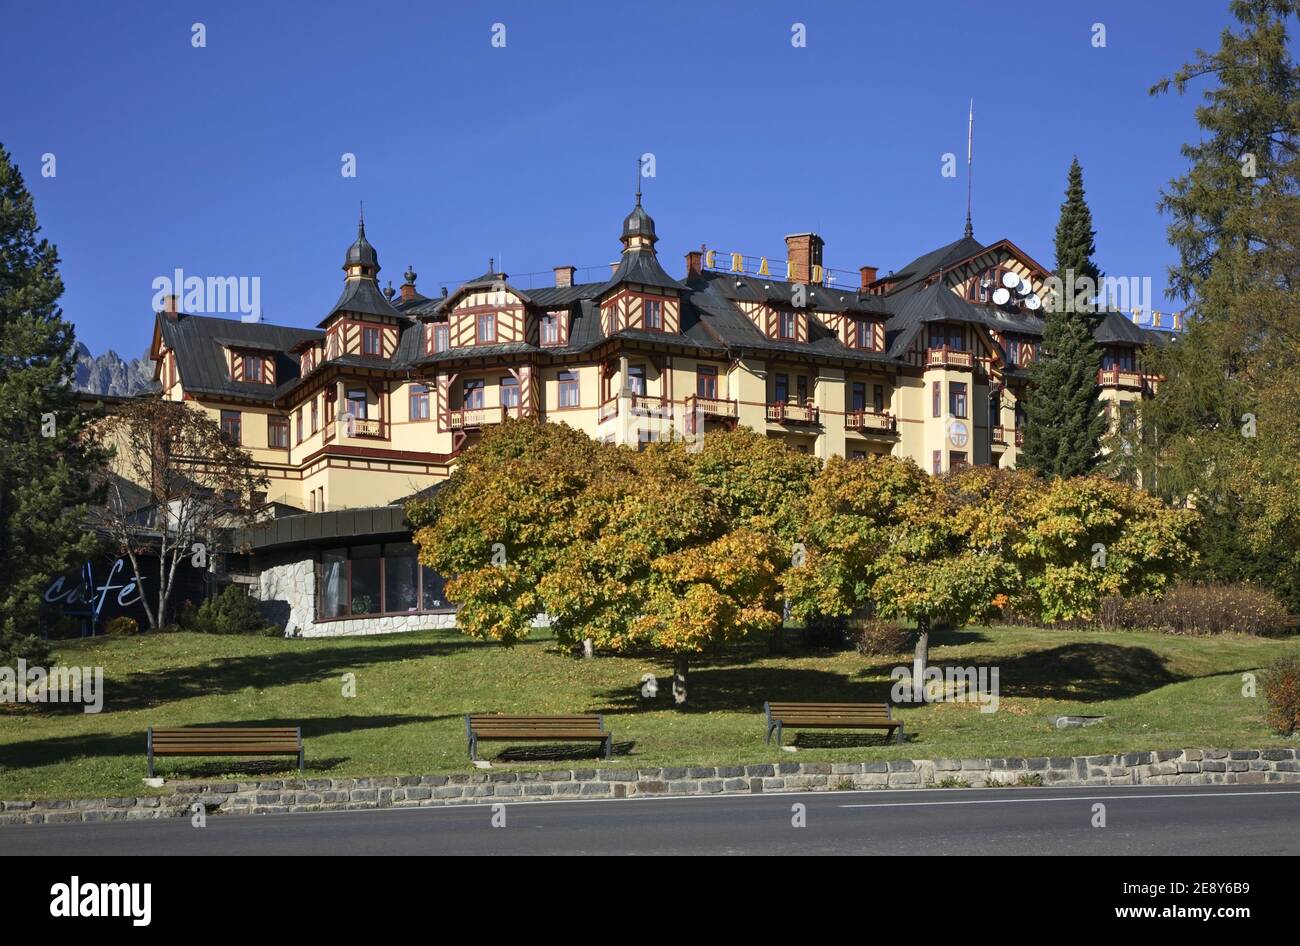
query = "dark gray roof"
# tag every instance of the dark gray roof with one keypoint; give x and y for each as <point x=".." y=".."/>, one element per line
<point x="640" y="267"/>
<point x="744" y="288"/>
<point x="938" y="303"/>
<point x="361" y="253"/>
<point x="361" y="294"/>
<point x="719" y="314"/>
<point x="929" y="263"/>
<point x="197" y="341"/>
<point x="553" y="296"/>
<point x="323" y="528"/>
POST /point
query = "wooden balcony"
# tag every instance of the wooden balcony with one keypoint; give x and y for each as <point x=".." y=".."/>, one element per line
<point x="1119" y="378"/>
<point x="871" y="422"/>
<point x="354" y="427"/>
<point x="946" y="357"/>
<point x="643" y="404"/>
<point x="712" y="407"/>
<point x="1000" y="436"/>
<point x="471" y="418"/>
<point x="782" y="412"/>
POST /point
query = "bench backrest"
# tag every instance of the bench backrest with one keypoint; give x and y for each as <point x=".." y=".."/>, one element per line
<point x="482" y="722"/>
<point x="251" y="738"/>
<point x="830" y="710"/>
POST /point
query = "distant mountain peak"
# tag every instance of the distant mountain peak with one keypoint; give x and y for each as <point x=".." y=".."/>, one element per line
<point x="109" y="374"/>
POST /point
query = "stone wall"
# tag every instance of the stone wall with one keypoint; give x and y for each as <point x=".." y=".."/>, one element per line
<point x="288" y="594"/>
<point x="1172" y="767"/>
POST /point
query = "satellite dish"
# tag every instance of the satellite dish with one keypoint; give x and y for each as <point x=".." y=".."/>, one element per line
<point x="1033" y="303"/>
<point x="1010" y="280"/>
<point x="1024" y="288"/>
<point x="1001" y="296"/>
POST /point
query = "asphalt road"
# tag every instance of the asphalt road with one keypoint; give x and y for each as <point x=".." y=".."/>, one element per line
<point x="1139" y="820"/>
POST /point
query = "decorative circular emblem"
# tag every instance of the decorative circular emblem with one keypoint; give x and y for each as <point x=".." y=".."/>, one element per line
<point x="957" y="433"/>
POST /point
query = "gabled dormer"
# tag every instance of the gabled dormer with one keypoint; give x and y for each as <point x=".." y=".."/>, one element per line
<point x="483" y="311"/>
<point x="363" y="323"/>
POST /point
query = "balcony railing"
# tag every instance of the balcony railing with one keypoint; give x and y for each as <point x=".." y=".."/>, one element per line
<point x="468" y="418"/>
<point x="999" y="436"/>
<point x="946" y="357"/>
<point x="638" y="404"/>
<point x="711" y="406"/>
<point x="1118" y="378"/>
<point x="782" y="412"/>
<point x="870" y="422"/>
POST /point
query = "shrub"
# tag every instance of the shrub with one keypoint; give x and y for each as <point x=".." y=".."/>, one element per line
<point x="825" y="631"/>
<point x="1281" y="685"/>
<point x="876" y="637"/>
<point x="1210" y="608"/>
<point x="233" y="611"/>
<point x="122" y="626"/>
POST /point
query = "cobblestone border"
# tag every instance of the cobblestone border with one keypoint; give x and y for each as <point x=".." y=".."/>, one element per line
<point x="1169" y="767"/>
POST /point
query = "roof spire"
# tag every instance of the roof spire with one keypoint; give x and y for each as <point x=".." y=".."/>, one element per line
<point x="361" y="221"/>
<point x="970" y="141"/>
<point x="638" y="181"/>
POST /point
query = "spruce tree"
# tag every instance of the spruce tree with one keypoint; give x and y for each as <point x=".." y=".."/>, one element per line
<point x="1063" y="411"/>
<point x="48" y="457"/>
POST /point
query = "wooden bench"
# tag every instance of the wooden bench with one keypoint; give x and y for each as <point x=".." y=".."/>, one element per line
<point x="488" y="726"/>
<point x="1292" y="623"/>
<point x="830" y="716"/>
<point x="213" y="740"/>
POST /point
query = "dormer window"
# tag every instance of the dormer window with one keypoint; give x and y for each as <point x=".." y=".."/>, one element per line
<point x="441" y="337"/>
<point x="654" y="315"/>
<point x="253" y="369"/>
<point x="788" y="322"/>
<point x="486" y="328"/>
<point x="371" y="342"/>
<point x="866" y="336"/>
<point x="549" y="328"/>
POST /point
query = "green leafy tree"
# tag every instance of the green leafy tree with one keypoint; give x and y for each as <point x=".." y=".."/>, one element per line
<point x="1065" y="422"/>
<point x="49" y="456"/>
<point x="885" y="536"/>
<point x="1223" y="430"/>
<point x="660" y="550"/>
<point x="1087" y="537"/>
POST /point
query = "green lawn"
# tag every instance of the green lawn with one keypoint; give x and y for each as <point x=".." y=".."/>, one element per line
<point x="411" y="691"/>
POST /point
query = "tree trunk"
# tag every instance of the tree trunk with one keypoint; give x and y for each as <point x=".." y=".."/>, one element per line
<point x="588" y="648"/>
<point x="680" y="668"/>
<point x="920" y="659"/>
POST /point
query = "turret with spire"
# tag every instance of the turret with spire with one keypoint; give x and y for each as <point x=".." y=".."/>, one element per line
<point x="361" y="292"/>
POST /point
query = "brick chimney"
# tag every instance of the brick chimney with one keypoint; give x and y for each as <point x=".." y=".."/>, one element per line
<point x="803" y="251"/>
<point x="408" y="287"/>
<point x="868" y="275"/>
<point x="694" y="263"/>
<point x="169" y="311"/>
<point x="564" y="276"/>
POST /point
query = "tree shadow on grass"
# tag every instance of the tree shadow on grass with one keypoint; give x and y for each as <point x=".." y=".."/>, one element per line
<point x="259" y="671"/>
<point x="838" y="740"/>
<point x="744" y="689"/>
<point x="40" y="752"/>
<point x="1080" y="672"/>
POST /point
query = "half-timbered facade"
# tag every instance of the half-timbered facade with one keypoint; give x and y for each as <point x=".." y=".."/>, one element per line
<point x="378" y="401"/>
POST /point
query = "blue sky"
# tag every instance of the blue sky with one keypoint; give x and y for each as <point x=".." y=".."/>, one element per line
<point x="226" y="160"/>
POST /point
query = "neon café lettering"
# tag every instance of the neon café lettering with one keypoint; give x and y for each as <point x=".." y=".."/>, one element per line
<point x="85" y="591"/>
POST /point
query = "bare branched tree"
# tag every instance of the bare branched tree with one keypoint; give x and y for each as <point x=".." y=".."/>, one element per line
<point x="177" y="479"/>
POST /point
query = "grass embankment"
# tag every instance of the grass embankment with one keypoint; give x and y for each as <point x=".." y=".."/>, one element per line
<point x="411" y="691"/>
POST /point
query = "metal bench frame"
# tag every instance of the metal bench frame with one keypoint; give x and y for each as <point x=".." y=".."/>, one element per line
<point x="776" y="725"/>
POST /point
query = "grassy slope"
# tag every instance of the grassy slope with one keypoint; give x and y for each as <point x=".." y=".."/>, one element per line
<point x="411" y="692"/>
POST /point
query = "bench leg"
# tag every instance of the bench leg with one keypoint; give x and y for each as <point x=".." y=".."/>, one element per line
<point x="778" y="734"/>
<point x="609" y="747"/>
<point x="899" y="737"/>
<point x="300" y="760"/>
<point x="149" y="745"/>
<point x="473" y="749"/>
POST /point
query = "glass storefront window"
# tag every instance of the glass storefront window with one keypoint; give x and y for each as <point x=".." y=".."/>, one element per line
<point x="365" y="579"/>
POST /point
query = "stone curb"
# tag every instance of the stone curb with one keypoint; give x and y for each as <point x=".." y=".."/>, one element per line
<point x="1167" y="767"/>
